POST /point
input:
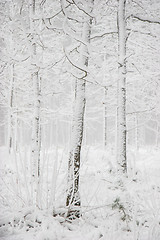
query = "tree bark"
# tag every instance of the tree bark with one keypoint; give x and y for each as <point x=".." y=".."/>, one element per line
<point x="36" y="129"/>
<point x="73" y="201"/>
<point x="10" y="116"/>
<point x="121" y="121"/>
<point x="136" y="133"/>
<point x="105" y="120"/>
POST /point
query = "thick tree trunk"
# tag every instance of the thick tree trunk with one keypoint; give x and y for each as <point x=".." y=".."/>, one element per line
<point x="121" y="121"/>
<point x="73" y="201"/>
<point x="73" y="197"/>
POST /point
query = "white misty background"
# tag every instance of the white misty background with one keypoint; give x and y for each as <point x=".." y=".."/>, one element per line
<point x="79" y="119"/>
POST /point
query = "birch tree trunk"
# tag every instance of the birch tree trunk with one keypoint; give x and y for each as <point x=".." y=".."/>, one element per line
<point x="11" y="89"/>
<point x="121" y="121"/>
<point x="157" y="135"/>
<point x="73" y="201"/>
<point x="136" y="133"/>
<point x="105" y="120"/>
<point x="105" y="106"/>
<point x="36" y="130"/>
<point x="10" y="115"/>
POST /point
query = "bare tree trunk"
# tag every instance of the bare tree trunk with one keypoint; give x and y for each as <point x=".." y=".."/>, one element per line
<point x="105" y="120"/>
<point x="73" y="197"/>
<point x="105" y="105"/>
<point x="136" y="133"/>
<point x="36" y="129"/>
<point x="157" y="135"/>
<point x="10" y="116"/>
<point x="121" y="121"/>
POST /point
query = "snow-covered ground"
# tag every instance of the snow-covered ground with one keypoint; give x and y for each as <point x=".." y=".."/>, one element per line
<point x="111" y="210"/>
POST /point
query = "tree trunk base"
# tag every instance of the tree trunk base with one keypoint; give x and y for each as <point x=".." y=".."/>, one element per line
<point x="73" y="214"/>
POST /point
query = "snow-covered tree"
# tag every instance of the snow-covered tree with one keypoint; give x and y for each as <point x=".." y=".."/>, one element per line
<point x="84" y="20"/>
<point x="121" y="108"/>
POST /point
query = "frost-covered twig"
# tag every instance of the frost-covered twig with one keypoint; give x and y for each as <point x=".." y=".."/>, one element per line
<point x="146" y="19"/>
<point x="83" y="10"/>
<point x="103" y="34"/>
<point x="75" y="65"/>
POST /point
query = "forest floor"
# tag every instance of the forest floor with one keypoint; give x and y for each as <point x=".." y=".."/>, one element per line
<point x="110" y="210"/>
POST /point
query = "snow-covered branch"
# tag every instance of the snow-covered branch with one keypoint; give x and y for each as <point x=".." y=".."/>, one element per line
<point x="146" y="19"/>
<point x="103" y="34"/>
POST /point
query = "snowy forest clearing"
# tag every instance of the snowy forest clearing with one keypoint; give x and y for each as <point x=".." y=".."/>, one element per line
<point x="109" y="211"/>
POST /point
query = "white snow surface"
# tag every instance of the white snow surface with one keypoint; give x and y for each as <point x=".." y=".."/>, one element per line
<point x="110" y="211"/>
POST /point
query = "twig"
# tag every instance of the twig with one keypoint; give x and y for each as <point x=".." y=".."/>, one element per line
<point x="146" y="19"/>
<point x="104" y="34"/>
<point x="82" y="10"/>
<point x="147" y="110"/>
<point x="73" y="64"/>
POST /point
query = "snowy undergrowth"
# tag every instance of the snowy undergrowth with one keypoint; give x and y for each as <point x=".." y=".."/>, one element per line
<point x="110" y="209"/>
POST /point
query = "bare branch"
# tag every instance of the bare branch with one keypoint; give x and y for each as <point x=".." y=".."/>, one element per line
<point x="103" y="34"/>
<point x="52" y="27"/>
<point x="54" y="64"/>
<point x="73" y="64"/>
<point x="144" y="33"/>
<point x="2" y="68"/>
<point x="94" y="83"/>
<point x="56" y="14"/>
<point x="82" y="9"/>
<point x="149" y="20"/>
<point x="147" y="110"/>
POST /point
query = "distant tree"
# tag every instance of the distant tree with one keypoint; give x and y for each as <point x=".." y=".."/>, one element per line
<point x="36" y="126"/>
